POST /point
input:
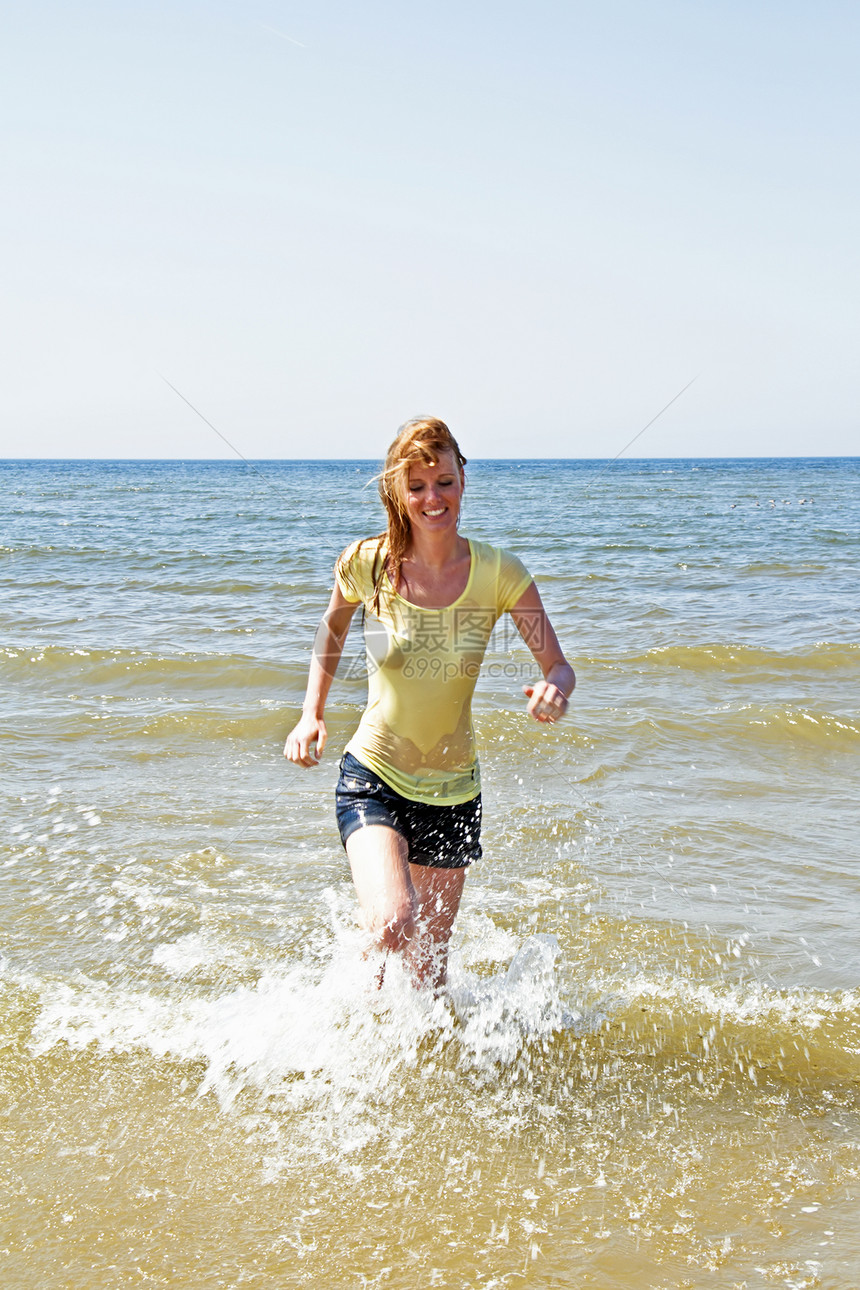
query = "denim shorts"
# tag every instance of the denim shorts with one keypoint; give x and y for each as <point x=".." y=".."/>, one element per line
<point x="443" y="837"/>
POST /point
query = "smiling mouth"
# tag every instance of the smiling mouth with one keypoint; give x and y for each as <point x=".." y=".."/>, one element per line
<point x="441" y="511"/>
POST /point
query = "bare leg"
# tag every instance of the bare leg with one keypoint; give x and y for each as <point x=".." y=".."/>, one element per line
<point x="383" y="882"/>
<point x="406" y="907"/>
<point x="438" y="893"/>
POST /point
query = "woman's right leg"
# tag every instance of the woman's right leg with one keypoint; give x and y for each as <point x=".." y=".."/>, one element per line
<point x="379" y="859"/>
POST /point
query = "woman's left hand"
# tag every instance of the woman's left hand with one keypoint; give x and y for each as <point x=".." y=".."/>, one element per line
<point x="547" y="702"/>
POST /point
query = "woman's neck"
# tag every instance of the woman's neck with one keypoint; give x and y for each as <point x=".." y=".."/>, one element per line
<point x="436" y="551"/>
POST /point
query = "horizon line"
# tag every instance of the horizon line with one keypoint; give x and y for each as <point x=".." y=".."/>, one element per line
<point x="472" y="460"/>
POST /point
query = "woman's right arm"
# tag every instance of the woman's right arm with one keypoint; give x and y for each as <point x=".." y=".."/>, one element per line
<point x="307" y="739"/>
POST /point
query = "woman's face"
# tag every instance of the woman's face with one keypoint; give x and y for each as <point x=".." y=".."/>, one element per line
<point x="433" y="493"/>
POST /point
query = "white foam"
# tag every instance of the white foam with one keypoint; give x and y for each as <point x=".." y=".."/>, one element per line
<point x="500" y="1013"/>
<point x="311" y="1032"/>
<point x="748" y="1003"/>
<point x="187" y="955"/>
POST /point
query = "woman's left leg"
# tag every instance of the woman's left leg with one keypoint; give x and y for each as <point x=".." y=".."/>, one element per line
<point x="438" y="893"/>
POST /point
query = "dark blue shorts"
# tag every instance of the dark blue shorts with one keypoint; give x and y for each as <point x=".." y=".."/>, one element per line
<point x="443" y="837"/>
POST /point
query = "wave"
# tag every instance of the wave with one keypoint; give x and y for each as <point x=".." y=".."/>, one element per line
<point x="331" y="1028"/>
<point x="822" y="728"/>
<point x="823" y="656"/>
<point x="174" y="725"/>
<point x="123" y="668"/>
<point x="138" y="691"/>
<point x="749" y="1026"/>
<point x="324" y="1032"/>
<point x="780" y="570"/>
<point x="773" y="724"/>
<point x="748" y="724"/>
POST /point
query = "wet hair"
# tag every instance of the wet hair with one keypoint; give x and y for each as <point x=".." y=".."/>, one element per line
<point x="422" y="440"/>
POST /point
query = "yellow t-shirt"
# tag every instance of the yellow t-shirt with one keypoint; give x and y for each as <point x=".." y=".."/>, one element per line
<point x="416" y="732"/>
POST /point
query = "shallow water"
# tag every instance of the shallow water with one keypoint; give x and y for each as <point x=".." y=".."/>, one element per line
<point x="647" y="1070"/>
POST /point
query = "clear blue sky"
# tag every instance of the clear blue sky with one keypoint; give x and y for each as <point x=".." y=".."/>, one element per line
<point x="537" y="221"/>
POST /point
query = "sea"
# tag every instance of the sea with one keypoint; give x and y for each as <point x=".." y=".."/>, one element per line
<point x="646" y="1070"/>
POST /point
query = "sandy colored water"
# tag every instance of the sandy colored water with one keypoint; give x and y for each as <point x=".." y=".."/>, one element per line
<point x="646" y="1072"/>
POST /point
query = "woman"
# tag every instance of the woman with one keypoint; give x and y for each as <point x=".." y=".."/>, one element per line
<point x="409" y="796"/>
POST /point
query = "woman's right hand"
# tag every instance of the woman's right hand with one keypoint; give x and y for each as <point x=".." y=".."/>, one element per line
<point x="306" y="741"/>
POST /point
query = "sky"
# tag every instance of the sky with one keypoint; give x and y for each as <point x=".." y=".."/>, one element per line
<point x="537" y="221"/>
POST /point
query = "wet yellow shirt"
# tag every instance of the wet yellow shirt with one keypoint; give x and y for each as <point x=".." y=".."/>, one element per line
<point x="416" y="732"/>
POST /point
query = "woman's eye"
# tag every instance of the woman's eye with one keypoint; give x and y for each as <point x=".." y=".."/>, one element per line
<point x="440" y="483"/>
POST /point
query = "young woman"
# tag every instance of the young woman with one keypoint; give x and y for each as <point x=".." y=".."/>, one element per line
<point x="409" y="795"/>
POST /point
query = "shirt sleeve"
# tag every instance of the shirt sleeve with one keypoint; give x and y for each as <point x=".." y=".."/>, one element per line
<point x="355" y="569"/>
<point x="514" y="578"/>
<point x="347" y="574"/>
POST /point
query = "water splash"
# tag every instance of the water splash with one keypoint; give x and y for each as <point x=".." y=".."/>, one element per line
<point x="318" y="1034"/>
<point x="498" y="1016"/>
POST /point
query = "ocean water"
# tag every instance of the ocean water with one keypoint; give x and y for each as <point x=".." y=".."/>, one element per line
<point x="646" y="1073"/>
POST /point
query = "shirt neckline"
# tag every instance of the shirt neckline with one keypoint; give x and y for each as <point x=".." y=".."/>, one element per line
<point x="435" y="608"/>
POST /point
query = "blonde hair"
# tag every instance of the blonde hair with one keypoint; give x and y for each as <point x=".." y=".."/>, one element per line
<point x="424" y="440"/>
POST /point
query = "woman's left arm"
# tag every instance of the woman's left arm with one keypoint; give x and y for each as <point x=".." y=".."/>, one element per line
<point x="547" y="698"/>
